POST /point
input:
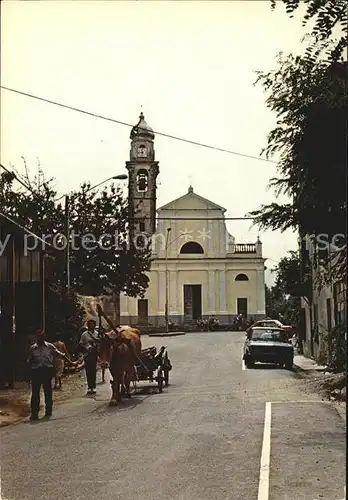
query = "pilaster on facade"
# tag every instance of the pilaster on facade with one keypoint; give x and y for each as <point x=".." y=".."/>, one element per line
<point x="211" y="292"/>
<point x="222" y="246"/>
<point x="261" y="295"/>
<point x="161" y="290"/>
<point x="173" y="285"/>
<point x="223" y="298"/>
<point x="210" y="238"/>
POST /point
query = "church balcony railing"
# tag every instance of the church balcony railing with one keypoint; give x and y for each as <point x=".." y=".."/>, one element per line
<point x="244" y="248"/>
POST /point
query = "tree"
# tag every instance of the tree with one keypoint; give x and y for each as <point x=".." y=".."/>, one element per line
<point x="311" y="135"/>
<point x="328" y="16"/>
<point x="285" y="296"/>
<point x="103" y="260"/>
<point x="309" y="96"/>
<point x="66" y="314"/>
<point x="290" y="279"/>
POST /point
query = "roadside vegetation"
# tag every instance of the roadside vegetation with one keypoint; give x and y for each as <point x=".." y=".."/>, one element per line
<point x="308" y="93"/>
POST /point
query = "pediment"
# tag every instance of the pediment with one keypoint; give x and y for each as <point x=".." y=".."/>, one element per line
<point x="191" y="201"/>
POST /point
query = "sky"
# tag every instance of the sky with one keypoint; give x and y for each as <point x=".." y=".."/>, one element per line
<point x="189" y="66"/>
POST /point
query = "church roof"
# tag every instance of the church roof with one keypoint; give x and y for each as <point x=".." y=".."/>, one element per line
<point x="192" y="197"/>
<point x="142" y="129"/>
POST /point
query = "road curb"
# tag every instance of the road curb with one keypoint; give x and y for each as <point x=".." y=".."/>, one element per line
<point x="299" y="368"/>
<point x="172" y="334"/>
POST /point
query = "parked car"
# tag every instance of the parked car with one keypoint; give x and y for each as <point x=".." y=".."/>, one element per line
<point x="268" y="345"/>
<point x="273" y="323"/>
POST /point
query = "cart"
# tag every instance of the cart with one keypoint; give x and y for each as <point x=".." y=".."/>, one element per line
<point x="154" y="366"/>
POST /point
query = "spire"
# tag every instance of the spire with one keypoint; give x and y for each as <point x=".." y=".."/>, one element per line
<point x="142" y="129"/>
<point x="190" y="189"/>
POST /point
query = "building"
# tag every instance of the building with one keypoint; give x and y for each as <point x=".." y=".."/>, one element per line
<point x="22" y="298"/>
<point x="198" y="270"/>
<point x="322" y="309"/>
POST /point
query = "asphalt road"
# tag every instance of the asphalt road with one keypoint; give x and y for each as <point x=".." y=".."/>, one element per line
<point x="202" y="438"/>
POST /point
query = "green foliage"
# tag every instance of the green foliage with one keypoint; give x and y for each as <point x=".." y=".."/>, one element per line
<point x="284" y="298"/>
<point x="310" y="102"/>
<point x="116" y="267"/>
<point x="328" y="16"/>
<point x="337" y="348"/>
<point x="65" y="312"/>
<point x="290" y="278"/>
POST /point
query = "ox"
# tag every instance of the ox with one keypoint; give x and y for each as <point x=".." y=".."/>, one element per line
<point x="104" y="359"/>
<point x="119" y="351"/>
<point x="59" y="364"/>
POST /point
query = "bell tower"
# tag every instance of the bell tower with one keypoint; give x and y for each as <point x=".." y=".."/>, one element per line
<point x="142" y="173"/>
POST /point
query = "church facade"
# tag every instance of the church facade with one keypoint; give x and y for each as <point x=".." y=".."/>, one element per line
<point x="197" y="270"/>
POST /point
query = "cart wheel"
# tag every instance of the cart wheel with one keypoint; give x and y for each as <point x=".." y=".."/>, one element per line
<point x="166" y="377"/>
<point x="160" y="381"/>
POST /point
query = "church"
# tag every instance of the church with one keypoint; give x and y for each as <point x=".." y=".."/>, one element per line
<point x="197" y="269"/>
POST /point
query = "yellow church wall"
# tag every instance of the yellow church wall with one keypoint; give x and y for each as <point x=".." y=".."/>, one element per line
<point x="242" y="289"/>
<point x="210" y="234"/>
<point x="220" y="291"/>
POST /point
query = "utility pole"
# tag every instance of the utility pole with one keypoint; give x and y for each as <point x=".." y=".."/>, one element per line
<point x="166" y="270"/>
<point x="43" y="270"/>
<point x="67" y="235"/>
<point x="12" y="367"/>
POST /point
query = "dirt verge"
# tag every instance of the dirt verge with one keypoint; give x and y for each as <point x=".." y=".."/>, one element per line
<point x="329" y="385"/>
<point x="15" y="403"/>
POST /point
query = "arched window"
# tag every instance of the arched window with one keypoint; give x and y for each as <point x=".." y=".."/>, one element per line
<point x="142" y="180"/>
<point x="191" y="247"/>
<point x="241" y="277"/>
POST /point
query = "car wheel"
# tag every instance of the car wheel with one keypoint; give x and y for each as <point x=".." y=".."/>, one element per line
<point x="249" y="363"/>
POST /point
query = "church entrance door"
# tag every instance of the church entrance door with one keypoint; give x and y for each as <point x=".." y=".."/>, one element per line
<point x="192" y="302"/>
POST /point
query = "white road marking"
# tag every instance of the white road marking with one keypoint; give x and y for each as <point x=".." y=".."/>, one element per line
<point x="301" y="401"/>
<point x="265" y="456"/>
<point x="344" y="493"/>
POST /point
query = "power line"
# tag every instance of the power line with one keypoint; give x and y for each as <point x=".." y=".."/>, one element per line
<point x="26" y="230"/>
<point x="169" y="219"/>
<point x="139" y="218"/>
<point x="18" y="179"/>
<point x="89" y="113"/>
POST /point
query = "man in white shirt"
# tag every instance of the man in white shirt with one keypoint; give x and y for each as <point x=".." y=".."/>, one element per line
<point x="41" y="359"/>
<point x="90" y="342"/>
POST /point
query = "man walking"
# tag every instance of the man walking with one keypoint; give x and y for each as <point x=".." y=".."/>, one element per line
<point x="89" y="342"/>
<point x="41" y="359"/>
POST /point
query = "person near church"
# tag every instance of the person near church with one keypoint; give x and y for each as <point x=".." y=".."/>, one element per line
<point x="42" y="356"/>
<point x="89" y="343"/>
